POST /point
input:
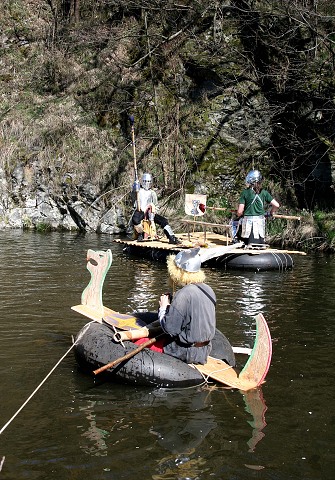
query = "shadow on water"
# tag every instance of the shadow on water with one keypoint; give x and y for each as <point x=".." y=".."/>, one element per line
<point x="74" y="427"/>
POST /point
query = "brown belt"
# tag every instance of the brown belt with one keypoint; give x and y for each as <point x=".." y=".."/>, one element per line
<point x="200" y="344"/>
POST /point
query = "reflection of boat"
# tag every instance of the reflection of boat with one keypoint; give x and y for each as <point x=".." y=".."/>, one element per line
<point x="96" y="346"/>
<point x="252" y="259"/>
<point x="177" y="420"/>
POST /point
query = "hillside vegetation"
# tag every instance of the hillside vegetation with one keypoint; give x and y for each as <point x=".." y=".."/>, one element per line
<point x="216" y="88"/>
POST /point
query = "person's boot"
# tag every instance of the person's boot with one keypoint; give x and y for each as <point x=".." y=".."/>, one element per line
<point x="140" y="232"/>
<point x="174" y="240"/>
<point x="171" y="236"/>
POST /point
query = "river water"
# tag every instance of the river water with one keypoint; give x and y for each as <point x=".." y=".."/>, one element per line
<point x="74" y="428"/>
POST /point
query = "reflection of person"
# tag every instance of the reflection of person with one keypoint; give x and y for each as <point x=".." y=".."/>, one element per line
<point x="189" y="319"/>
<point x="252" y="204"/>
<point x="187" y="426"/>
<point x="147" y="210"/>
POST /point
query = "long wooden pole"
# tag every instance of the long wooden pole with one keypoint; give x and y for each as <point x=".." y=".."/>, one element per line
<point x="275" y="215"/>
<point x="286" y="217"/>
<point x="132" y="121"/>
<point x="148" y="343"/>
<point x="219" y="208"/>
<point x="125" y="357"/>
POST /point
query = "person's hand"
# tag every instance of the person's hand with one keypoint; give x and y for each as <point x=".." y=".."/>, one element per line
<point x="164" y="300"/>
<point x="269" y="215"/>
<point x="152" y="207"/>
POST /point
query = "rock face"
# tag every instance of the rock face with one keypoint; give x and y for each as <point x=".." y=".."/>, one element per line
<point x="41" y="208"/>
<point x="216" y="88"/>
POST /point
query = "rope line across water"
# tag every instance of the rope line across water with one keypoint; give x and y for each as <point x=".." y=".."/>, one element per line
<point x="45" y="379"/>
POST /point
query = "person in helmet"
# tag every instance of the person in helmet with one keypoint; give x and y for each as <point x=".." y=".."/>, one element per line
<point x="252" y="207"/>
<point x="146" y="204"/>
<point x="188" y="320"/>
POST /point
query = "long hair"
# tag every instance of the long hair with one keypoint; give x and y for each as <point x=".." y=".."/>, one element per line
<point x="257" y="187"/>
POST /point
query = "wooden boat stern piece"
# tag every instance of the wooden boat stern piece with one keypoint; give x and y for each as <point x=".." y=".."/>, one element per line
<point x="256" y="368"/>
<point x="258" y="364"/>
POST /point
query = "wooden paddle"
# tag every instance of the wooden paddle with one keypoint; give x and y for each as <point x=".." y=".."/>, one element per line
<point x="148" y="343"/>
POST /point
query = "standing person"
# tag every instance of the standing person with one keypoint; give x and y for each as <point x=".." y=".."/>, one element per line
<point x="147" y="210"/>
<point x="252" y="205"/>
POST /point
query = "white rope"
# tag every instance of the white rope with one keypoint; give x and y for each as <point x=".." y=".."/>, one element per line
<point x="43" y="381"/>
<point x="207" y="376"/>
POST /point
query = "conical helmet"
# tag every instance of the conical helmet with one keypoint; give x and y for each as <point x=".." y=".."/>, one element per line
<point x="254" y="176"/>
<point x="189" y="260"/>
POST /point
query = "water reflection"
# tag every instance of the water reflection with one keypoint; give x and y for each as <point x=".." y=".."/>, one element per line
<point x="141" y="293"/>
<point x="111" y="431"/>
<point x="175" y="421"/>
<point x="252" y="299"/>
<point x="96" y="436"/>
<point x="255" y="405"/>
<point x="189" y="422"/>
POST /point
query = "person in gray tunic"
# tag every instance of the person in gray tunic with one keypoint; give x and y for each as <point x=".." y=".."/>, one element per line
<point x="190" y="319"/>
<point x="186" y="323"/>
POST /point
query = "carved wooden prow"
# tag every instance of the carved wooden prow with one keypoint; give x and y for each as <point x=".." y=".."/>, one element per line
<point x="98" y="264"/>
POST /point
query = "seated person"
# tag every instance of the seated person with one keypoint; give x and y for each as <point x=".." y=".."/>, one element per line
<point x="147" y="210"/>
<point x="189" y="319"/>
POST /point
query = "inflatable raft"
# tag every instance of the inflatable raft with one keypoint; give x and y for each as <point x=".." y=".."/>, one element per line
<point x="97" y="350"/>
<point x="247" y="259"/>
<point x="257" y="258"/>
<point x="95" y="347"/>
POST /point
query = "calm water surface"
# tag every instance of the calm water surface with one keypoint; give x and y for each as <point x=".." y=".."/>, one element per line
<point x="73" y="428"/>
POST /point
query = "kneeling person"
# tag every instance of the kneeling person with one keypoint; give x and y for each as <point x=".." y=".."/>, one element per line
<point x="147" y="210"/>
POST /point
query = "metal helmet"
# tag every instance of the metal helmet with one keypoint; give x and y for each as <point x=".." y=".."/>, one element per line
<point x="253" y="176"/>
<point x="189" y="260"/>
<point x="146" y="181"/>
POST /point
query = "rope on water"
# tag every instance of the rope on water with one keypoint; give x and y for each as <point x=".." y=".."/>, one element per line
<point x="43" y="381"/>
<point x="2" y="462"/>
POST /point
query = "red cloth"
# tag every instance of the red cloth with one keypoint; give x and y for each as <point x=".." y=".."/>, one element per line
<point x="158" y="346"/>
